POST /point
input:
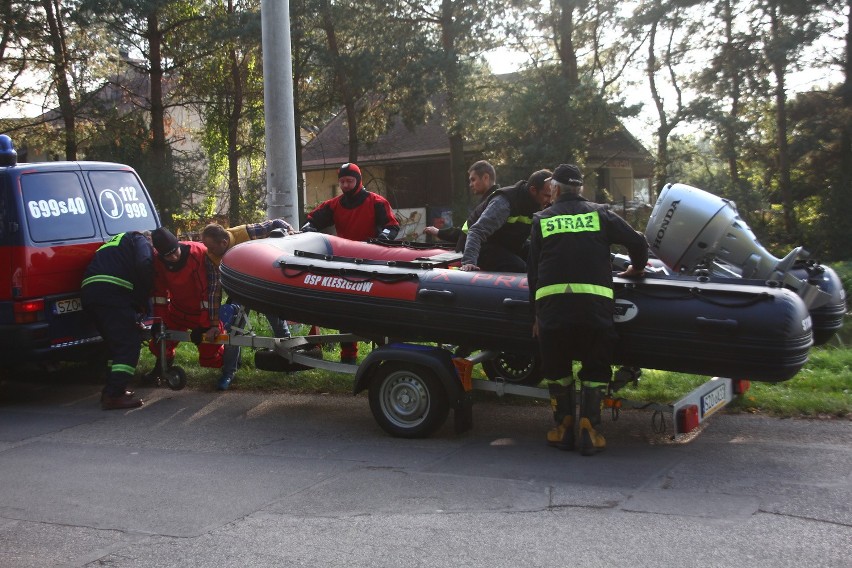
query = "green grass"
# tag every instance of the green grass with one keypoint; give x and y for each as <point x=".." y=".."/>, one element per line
<point x="822" y="388"/>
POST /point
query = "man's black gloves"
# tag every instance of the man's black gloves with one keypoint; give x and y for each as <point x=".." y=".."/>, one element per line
<point x="308" y="228"/>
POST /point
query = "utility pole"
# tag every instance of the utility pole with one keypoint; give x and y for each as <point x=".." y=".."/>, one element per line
<point x="282" y="200"/>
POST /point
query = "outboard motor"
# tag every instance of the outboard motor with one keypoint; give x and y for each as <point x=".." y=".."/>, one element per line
<point x="691" y="230"/>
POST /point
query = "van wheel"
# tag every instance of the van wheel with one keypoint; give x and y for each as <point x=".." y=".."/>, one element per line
<point x="408" y="401"/>
<point x="175" y="378"/>
<point x="514" y="368"/>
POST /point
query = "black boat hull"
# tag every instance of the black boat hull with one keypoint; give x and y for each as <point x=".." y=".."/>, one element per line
<point x="684" y="324"/>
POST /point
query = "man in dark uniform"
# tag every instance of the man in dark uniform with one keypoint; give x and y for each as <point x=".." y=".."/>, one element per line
<point x="116" y="287"/>
<point x="482" y="180"/>
<point x="497" y="239"/>
<point x="570" y="281"/>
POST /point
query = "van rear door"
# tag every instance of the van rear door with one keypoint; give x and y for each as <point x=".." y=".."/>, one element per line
<point x="67" y="210"/>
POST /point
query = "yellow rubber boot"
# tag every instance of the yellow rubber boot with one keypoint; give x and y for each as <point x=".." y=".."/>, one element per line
<point x="591" y="442"/>
<point x="563" y="404"/>
<point x="562" y="436"/>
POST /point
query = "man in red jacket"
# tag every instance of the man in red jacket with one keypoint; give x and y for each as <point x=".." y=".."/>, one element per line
<point x="357" y="215"/>
<point x="184" y="296"/>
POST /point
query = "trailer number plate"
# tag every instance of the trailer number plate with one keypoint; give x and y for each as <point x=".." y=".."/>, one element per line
<point x="713" y="400"/>
<point x="67" y="306"/>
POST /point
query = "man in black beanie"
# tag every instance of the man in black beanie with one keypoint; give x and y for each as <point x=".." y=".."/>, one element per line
<point x="186" y="296"/>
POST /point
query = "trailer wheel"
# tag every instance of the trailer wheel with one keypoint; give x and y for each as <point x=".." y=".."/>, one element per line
<point x="514" y="368"/>
<point x="175" y="378"/>
<point x="408" y="401"/>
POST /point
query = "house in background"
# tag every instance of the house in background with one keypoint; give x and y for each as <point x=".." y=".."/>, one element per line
<point x="412" y="169"/>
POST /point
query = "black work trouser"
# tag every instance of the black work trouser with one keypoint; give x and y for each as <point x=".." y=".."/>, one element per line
<point x="592" y="347"/>
<point x="117" y="326"/>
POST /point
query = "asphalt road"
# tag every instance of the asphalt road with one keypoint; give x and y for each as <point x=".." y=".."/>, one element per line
<point x="256" y="479"/>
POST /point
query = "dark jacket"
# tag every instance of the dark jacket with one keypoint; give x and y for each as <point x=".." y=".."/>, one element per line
<point x="475" y="213"/>
<point x="569" y="267"/>
<point x="121" y="271"/>
<point x="515" y="232"/>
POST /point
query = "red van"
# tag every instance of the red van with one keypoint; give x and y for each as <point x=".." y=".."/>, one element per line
<point x="53" y="216"/>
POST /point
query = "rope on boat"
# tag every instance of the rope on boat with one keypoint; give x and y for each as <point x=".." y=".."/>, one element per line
<point x="354" y="275"/>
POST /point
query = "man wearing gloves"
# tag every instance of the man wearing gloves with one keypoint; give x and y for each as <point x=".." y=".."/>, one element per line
<point x="357" y="215"/>
<point x="185" y="296"/>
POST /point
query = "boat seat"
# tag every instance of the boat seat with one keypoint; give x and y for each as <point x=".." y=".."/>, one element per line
<point x="444" y="258"/>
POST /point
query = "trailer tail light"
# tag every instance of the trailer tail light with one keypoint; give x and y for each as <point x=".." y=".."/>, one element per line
<point x="464" y="368"/>
<point x="741" y="386"/>
<point x="29" y="311"/>
<point x="687" y="418"/>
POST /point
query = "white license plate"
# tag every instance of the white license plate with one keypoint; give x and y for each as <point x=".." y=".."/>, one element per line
<point x="713" y="400"/>
<point x="67" y="306"/>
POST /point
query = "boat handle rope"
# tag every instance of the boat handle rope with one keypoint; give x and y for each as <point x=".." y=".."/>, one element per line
<point x="424" y="264"/>
<point x="350" y="275"/>
<point x="696" y="292"/>
<point x="699" y="295"/>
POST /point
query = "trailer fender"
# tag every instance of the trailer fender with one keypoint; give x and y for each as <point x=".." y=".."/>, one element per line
<point x="438" y="360"/>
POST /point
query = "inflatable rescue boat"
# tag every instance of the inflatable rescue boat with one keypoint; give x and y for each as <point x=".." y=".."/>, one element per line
<point x="694" y="323"/>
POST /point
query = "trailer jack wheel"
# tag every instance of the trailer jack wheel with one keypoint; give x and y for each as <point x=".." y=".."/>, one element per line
<point x="174" y="378"/>
<point x="408" y="401"/>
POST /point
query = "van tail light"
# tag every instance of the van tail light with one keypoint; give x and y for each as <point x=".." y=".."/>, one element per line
<point x="29" y="311"/>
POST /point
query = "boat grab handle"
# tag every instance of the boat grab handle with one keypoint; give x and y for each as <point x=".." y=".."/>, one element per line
<point x="442" y="294"/>
<point x="717" y="323"/>
<point x="511" y="302"/>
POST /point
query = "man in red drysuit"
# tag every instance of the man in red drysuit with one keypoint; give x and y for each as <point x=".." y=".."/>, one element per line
<point x="357" y="215"/>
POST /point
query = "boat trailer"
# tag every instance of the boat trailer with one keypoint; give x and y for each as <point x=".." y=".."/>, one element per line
<point x="413" y="387"/>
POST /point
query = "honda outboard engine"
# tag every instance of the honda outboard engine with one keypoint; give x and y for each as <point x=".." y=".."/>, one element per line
<point x="690" y="228"/>
<point x="695" y="232"/>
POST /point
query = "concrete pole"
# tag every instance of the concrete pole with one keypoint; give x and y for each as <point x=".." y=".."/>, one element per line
<point x="282" y="200"/>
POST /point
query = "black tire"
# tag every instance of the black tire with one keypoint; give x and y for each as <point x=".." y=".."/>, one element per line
<point x="408" y="401"/>
<point x="175" y="378"/>
<point x="514" y="368"/>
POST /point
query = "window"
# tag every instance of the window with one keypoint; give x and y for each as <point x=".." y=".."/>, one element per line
<point x="124" y="205"/>
<point x="56" y="207"/>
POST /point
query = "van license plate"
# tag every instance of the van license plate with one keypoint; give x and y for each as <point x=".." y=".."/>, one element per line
<point x="67" y="306"/>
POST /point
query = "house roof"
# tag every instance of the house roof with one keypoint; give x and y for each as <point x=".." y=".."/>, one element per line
<point x="330" y="147"/>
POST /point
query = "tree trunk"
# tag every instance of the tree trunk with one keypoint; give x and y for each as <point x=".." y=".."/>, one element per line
<point x="565" y="43"/>
<point x="163" y="197"/>
<point x="778" y="61"/>
<point x="730" y="138"/>
<point x="347" y="95"/>
<point x="840" y="195"/>
<point x="60" y="76"/>
<point x="455" y="122"/>
<point x="234" y="209"/>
